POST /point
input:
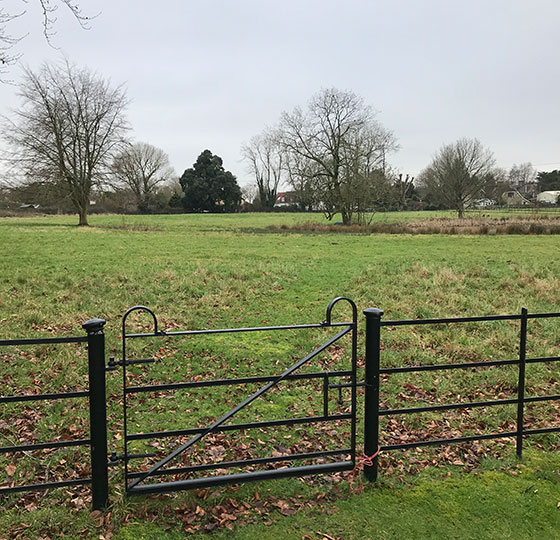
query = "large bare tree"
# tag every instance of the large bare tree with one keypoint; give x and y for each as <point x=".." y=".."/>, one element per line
<point x="265" y="158"/>
<point x="142" y="168"/>
<point x="459" y="174"/>
<point x="70" y="125"/>
<point x="337" y="144"/>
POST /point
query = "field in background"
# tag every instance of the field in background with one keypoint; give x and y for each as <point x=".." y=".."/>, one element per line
<point x="199" y="271"/>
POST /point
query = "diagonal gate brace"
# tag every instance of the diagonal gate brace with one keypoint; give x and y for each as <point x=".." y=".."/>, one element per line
<point x="179" y="450"/>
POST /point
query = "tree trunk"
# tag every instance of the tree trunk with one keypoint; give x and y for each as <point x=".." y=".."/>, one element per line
<point x="346" y="217"/>
<point x="460" y="213"/>
<point x="82" y="212"/>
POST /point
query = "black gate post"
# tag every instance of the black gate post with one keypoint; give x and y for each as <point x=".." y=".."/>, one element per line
<point x="371" y="413"/>
<point x="521" y="383"/>
<point x="97" y="413"/>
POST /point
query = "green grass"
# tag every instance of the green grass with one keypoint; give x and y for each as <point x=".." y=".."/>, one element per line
<point x="200" y="271"/>
<point x="490" y="505"/>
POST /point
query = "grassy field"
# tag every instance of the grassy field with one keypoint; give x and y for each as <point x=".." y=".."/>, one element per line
<point x="208" y="271"/>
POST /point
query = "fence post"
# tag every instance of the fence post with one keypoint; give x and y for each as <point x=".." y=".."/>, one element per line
<point x="97" y="412"/>
<point x="371" y="413"/>
<point x="521" y="382"/>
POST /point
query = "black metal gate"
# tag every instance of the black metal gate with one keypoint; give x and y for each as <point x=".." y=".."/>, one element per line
<point x="135" y="480"/>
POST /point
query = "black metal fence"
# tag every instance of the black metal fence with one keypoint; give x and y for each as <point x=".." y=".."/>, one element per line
<point x="135" y="479"/>
<point x="374" y="323"/>
<point x="97" y="442"/>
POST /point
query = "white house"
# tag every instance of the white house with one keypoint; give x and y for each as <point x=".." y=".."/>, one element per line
<point x="548" y="197"/>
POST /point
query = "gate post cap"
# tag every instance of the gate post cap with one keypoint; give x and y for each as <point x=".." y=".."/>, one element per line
<point x="94" y="326"/>
<point x="373" y="312"/>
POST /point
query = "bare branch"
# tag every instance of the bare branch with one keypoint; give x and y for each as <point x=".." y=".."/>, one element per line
<point x="48" y="12"/>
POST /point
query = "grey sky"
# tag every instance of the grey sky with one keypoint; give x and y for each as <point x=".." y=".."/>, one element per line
<point x="211" y="74"/>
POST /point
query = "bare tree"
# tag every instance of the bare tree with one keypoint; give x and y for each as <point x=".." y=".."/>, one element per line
<point x="338" y="143"/>
<point x="69" y="127"/>
<point x="403" y="187"/>
<point x="142" y="168"/>
<point x="250" y="193"/>
<point x="459" y="174"/>
<point x="266" y="162"/>
<point x="523" y="178"/>
<point x="48" y="9"/>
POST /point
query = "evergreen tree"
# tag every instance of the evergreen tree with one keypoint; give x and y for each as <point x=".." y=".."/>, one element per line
<point x="208" y="187"/>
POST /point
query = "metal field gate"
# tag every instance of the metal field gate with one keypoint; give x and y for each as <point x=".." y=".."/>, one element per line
<point x="151" y="478"/>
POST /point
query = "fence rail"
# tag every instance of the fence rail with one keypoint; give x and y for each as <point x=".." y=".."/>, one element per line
<point x="97" y="442"/>
<point x="373" y="412"/>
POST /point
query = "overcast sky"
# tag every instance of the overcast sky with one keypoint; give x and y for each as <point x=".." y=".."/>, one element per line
<point x="213" y="73"/>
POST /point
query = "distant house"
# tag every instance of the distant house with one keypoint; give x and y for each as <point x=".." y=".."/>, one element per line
<point x="285" y="198"/>
<point x="526" y="188"/>
<point x="548" y="197"/>
<point x="514" y="198"/>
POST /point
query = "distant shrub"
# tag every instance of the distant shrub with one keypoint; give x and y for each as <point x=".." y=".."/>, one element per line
<point x="471" y="226"/>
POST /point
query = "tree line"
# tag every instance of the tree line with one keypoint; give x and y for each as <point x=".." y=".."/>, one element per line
<point x="68" y="140"/>
<point x="334" y="156"/>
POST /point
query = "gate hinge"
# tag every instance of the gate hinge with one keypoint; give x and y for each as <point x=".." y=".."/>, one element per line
<point x="114" y="458"/>
<point x="112" y="365"/>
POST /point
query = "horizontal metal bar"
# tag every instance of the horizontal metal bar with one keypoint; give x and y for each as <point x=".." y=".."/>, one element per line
<point x="450" y="407"/>
<point x="42" y="341"/>
<point x="542" y="315"/>
<point x="471" y="405"/>
<point x="347" y="385"/>
<point x="437" y="367"/>
<point x="240" y="478"/>
<point x="243" y="380"/>
<point x="244" y="462"/>
<point x="138" y="361"/>
<point x="235" y="427"/>
<point x="44" y="446"/>
<point x="43" y="397"/>
<point x="543" y="359"/>
<point x="47" y="485"/>
<point x="236" y="330"/>
<point x="451" y="320"/>
<point x="541" y="430"/>
<point x="534" y="399"/>
<point x="437" y="442"/>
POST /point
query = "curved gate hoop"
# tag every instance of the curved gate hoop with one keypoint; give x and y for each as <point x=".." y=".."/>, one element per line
<point x="140" y="308"/>
<point x="334" y="301"/>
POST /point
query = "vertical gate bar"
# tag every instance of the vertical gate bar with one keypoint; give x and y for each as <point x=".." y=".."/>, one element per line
<point x="325" y="395"/>
<point x="354" y="380"/>
<point x="371" y="412"/>
<point x="125" y="419"/>
<point x="97" y="412"/>
<point x="521" y="382"/>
